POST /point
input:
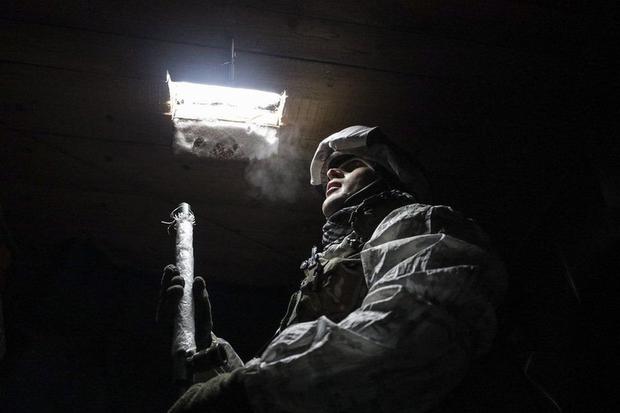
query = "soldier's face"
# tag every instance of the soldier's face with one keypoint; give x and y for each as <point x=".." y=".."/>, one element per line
<point x="345" y="180"/>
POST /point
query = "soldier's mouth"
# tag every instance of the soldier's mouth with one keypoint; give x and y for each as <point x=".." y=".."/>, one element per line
<point x="331" y="187"/>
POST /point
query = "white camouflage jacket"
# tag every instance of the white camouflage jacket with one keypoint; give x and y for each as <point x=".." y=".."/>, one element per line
<point x="433" y="287"/>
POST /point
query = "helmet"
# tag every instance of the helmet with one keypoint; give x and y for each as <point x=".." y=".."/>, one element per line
<point x="371" y="145"/>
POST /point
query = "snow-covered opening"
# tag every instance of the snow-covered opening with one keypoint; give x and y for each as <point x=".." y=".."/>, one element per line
<point x="225" y="122"/>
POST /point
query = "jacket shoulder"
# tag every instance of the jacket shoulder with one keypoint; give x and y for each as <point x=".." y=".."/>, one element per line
<point x="422" y="219"/>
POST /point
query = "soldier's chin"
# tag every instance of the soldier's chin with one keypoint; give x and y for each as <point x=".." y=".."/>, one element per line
<point x="332" y="204"/>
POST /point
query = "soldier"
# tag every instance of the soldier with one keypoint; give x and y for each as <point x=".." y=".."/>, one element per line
<point x="396" y="303"/>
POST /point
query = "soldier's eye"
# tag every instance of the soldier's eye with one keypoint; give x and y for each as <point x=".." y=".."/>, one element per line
<point x="352" y="165"/>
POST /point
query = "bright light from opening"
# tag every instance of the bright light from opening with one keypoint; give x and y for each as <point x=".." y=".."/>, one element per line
<point x="225" y="104"/>
<point x="224" y="122"/>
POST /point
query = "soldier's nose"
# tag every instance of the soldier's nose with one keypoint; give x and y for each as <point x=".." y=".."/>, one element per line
<point x="335" y="173"/>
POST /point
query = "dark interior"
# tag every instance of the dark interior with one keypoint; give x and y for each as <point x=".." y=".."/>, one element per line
<point x="508" y="105"/>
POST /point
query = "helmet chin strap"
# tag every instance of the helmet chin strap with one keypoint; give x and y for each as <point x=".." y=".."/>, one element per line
<point x="378" y="185"/>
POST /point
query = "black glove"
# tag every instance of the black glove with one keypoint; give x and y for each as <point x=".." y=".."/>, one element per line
<point x="222" y="394"/>
<point x="170" y="294"/>
<point x="209" y="353"/>
<point x="202" y="314"/>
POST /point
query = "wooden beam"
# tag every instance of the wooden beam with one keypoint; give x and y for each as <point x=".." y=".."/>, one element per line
<point x="58" y="101"/>
<point x="283" y="35"/>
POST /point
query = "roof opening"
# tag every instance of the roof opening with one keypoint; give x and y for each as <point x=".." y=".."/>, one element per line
<point x="225" y="122"/>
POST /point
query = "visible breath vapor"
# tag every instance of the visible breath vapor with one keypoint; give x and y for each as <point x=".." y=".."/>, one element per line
<point x="272" y="176"/>
<point x="276" y="178"/>
<point x="281" y="177"/>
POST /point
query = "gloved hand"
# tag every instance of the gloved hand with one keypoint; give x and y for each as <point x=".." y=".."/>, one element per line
<point x="225" y="393"/>
<point x="211" y="353"/>
<point x="170" y="294"/>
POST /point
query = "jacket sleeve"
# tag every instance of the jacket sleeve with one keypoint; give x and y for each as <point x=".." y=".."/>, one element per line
<point x="429" y="311"/>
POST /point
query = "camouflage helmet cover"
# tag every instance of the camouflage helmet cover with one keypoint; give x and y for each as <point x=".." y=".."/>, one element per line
<point x="370" y="144"/>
